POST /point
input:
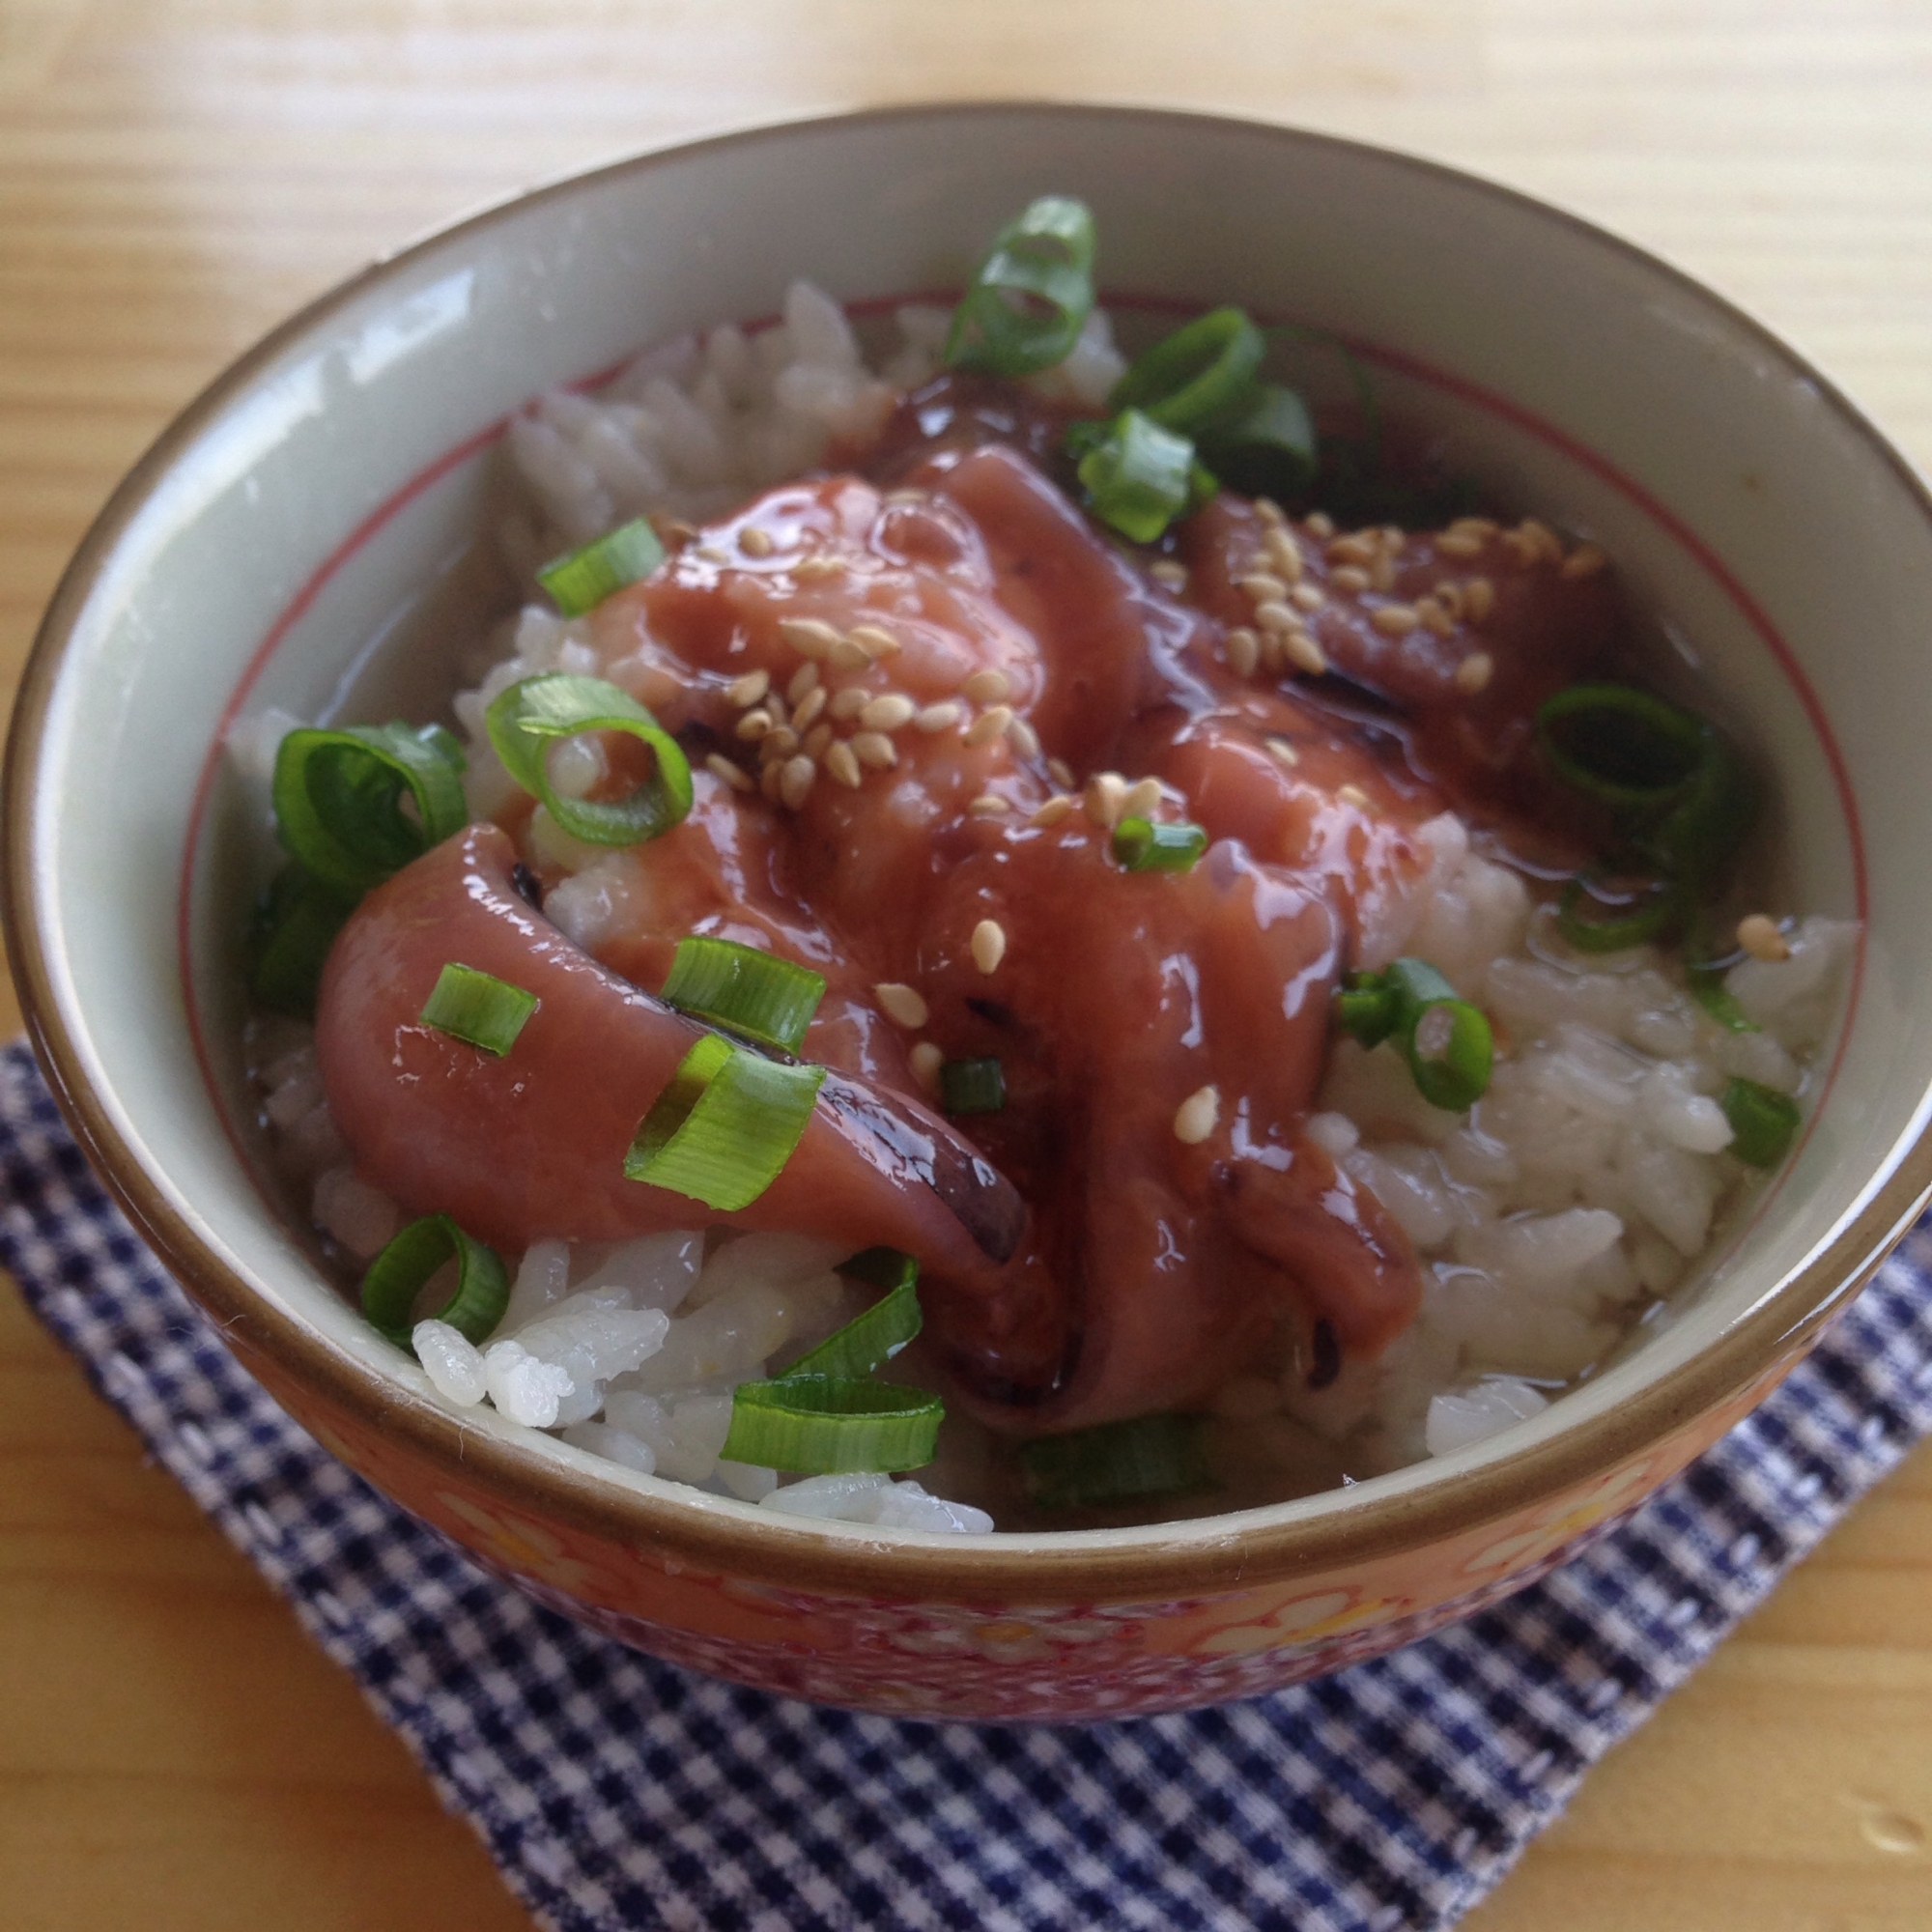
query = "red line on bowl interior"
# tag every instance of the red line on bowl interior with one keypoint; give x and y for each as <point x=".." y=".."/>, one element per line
<point x="1398" y="361"/>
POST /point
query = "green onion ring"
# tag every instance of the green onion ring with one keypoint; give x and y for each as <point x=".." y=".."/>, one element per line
<point x="1146" y="845"/>
<point x="1763" y="1122"/>
<point x="1139" y="476"/>
<point x="826" y="1425"/>
<point x="869" y="1341"/>
<point x="338" y="799"/>
<point x="525" y="721"/>
<point x="1201" y="375"/>
<point x="1622" y="746"/>
<point x="1663" y="911"/>
<point x="295" y="923"/>
<point x="749" y="992"/>
<point x="1148" y="1456"/>
<point x="725" y="1127"/>
<point x="581" y="581"/>
<point x="479" y="1009"/>
<point x="1030" y="298"/>
<point x="1270" y="450"/>
<point x="396" y="1277"/>
<point x="1447" y="1043"/>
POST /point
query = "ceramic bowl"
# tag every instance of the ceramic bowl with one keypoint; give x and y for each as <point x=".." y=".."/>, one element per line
<point x="263" y="550"/>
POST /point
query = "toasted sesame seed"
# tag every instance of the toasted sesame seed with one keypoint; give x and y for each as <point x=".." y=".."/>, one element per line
<point x="1546" y="541"/>
<point x="1474" y="672"/>
<point x="676" y="530"/>
<point x="1359" y="547"/>
<point x="938" y="717"/>
<point x="795" y="779"/>
<point x="1381" y="573"/>
<point x="1434" y="619"/>
<point x="990" y="723"/>
<point x="1023" y="738"/>
<point x="846" y="655"/>
<point x="768" y="782"/>
<point x="808" y="636"/>
<point x="989" y="945"/>
<point x="1269" y="511"/>
<point x="811" y="569"/>
<point x="1194" y="1118"/>
<point x="849" y="701"/>
<point x="712" y="554"/>
<point x="1351" y="794"/>
<point x="1479" y="596"/>
<point x="734" y="776"/>
<point x="1321" y="525"/>
<point x="816" y="740"/>
<point x="888" y="713"/>
<point x="989" y="805"/>
<point x="842" y="762"/>
<point x="1759" y="936"/>
<point x="1285" y="554"/>
<point x="1306" y="597"/>
<point x="1449" y="594"/>
<point x="775" y="703"/>
<point x="1142" y="798"/>
<point x="1244" y="651"/>
<point x="1305" y="654"/>
<point x="1263" y="586"/>
<point x="1280" y="750"/>
<point x="1053" y="810"/>
<point x="806" y="715"/>
<point x="1583" y="561"/>
<point x="1525" y="550"/>
<point x="986" y="686"/>
<point x="754" y="541"/>
<point x="1350" y="576"/>
<point x="925" y="1059"/>
<point x="873" y="641"/>
<point x="1169" y="574"/>
<point x="1474" y="526"/>
<point x="1459" y="543"/>
<point x="1270" y="650"/>
<point x="1059" y="771"/>
<point x="1275" y="616"/>
<point x="1105" y="791"/>
<point x="748" y="689"/>
<point x="804" y="682"/>
<point x="1395" y="620"/>
<point x="874" y="748"/>
<point x="900" y="1003"/>
<point x="755" y="724"/>
<point x="779" y="742"/>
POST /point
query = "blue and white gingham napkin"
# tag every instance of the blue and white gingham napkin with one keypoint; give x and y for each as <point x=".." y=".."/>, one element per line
<point x="615" y="1792"/>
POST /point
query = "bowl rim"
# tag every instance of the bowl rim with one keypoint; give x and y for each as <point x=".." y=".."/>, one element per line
<point x="1196" y="1557"/>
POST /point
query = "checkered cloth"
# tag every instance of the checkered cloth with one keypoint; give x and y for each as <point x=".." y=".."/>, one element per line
<point x="616" y="1793"/>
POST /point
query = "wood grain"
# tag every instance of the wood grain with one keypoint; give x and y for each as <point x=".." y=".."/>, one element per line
<point x="175" y="175"/>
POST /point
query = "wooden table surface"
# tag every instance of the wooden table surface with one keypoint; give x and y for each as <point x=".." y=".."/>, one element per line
<point x="176" y="175"/>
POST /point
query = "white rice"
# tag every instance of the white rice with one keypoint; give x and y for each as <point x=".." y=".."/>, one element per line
<point x="1564" y="1210"/>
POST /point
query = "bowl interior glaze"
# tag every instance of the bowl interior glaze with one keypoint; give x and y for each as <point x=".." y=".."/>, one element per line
<point x="294" y="517"/>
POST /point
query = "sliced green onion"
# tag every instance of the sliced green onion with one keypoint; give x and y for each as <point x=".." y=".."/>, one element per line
<point x="725" y="1127"/>
<point x="338" y="798"/>
<point x="1707" y="825"/>
<point x="582" y="581"/>
<point x="1447" y="1043"/>
<point x="1270" y="450"/>
<point x="1654" y="909"/>
<point x="869" y="1341"/>
<point x="1139" y="477"/>
<point x="295" y="924"/>
<point x="477" y="1009"/>
<point x="972" y="1086"/>
<point x="399" y="1274"/>
<point x="1143" y="845"/>
<point x="528" y="718"/>
<point x="1149" y="1455"/>
<point x="1623" y="746"/>
<point x="826" y="1425"/>
<point x="1763" y="1121"/>
<point x="1030" y="298"/>
<point x="1708" y="990"/>
<point x="1201" y="375"/>
<point x="752" y="993"/>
